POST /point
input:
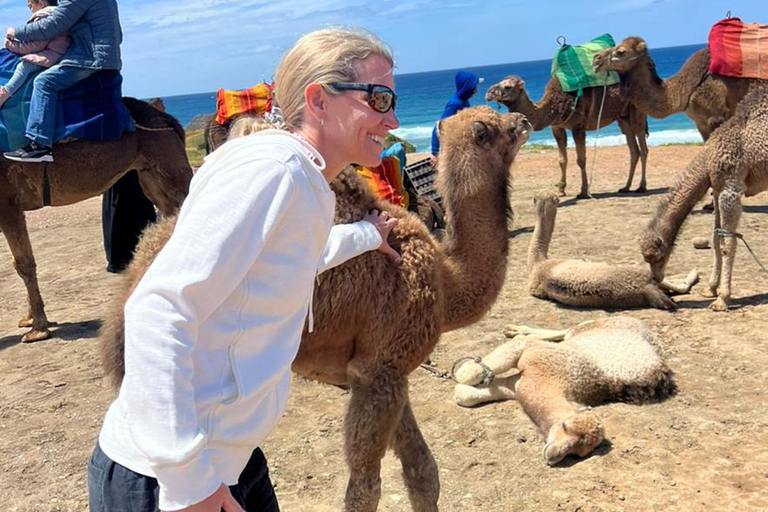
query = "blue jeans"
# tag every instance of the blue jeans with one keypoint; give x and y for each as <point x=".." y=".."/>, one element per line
<point x="41" y="124"/>
<point x="115" y="488"/>
<point x="20" y="75"/>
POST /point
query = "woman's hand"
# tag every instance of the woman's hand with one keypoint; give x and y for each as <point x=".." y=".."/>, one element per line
<point x="384" y="224"/>
<point x="220" y="500"/>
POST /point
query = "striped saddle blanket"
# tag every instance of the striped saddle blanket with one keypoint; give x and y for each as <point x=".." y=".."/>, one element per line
<point x="257" y="100"/>
<point x="386" y="180"/>
<point x="572" y="65"/>
<point x="739" y="49"/>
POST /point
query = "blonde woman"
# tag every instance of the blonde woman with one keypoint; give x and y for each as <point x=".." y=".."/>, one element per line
<point x="214" y="324"/>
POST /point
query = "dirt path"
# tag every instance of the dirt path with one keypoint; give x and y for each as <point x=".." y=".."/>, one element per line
<point x="704" y="449"/>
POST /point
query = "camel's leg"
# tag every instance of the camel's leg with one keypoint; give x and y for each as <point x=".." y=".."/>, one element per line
<point x="561" y="138"/>
<point x="499" y="389"/>
<point x="510" y="331"/>
<point x="730" y="214"/>
<point x="682" y="286"/>
<point x="14" y="227"/>
<point x="634" y="153"/>
<point x="717" y="265"/>
<point x="641" y="129"/>
<point x="374" y="412"/>
<point x="502" y="359"/>
<point x="658" y="299"/>
<point x="580" y="140"/>
<point x="419" y="467"/>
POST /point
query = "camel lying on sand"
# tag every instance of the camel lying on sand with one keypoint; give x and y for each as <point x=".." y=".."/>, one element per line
<point x="600" y="361"/>
<point x="591" y="284"/>
<point x="734" y="163"/>
<point x="376" y="320"/>
<point x="556" y="109"/>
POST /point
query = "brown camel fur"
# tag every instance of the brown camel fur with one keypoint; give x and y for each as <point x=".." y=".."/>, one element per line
<point x="83" y="169"/>
<point x="734" y="163"/>
<point x="556" y="109"/>
<point x="609" y="360"/>
<point x="376" y="320"/>
<point x="709" y="100"/>
<point x="590" y="284"/>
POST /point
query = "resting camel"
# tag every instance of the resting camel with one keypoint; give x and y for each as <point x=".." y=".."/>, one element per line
<point x="83" y="169"/>
<point x="707" y="99"/>
<point x="590" y="284"/>
<point x="609" y="360"/>
<point x="556" y="109"/>
<point x="376" y="320"/>
<point x="734" y="163"/>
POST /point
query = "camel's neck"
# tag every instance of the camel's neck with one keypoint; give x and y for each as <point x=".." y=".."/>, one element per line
<point x="542" y="236"/>
<point x="548" y="407"/>
<point x="476" y="246"/>
<point x="662" y="98"/>
<point x="540" y="114"/>
<point x="675" y="207"/>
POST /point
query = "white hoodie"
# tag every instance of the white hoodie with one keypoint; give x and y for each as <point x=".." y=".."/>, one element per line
<point x="214" y="324"/>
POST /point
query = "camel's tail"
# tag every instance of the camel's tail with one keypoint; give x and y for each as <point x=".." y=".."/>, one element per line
<point x="148" y="117"/>
<point x="660" y="387"/>
<point x="112" y="333"/>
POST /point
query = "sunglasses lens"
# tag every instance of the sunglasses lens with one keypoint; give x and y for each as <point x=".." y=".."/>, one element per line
<point x="382" y="99"/>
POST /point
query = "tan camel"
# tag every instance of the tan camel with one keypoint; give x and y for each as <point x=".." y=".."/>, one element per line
<point x="376" y="320"/>
<point x="734" y="163"/>
<point x="609" y="360"/>
<point x="556" y="109"/>
<point x="84" y="169"/>
<point x="709" y="100"/>
<point x="591" y="284"/>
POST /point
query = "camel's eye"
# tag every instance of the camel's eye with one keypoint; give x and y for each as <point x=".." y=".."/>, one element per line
<point x="565" y="427"/>
<point x="620" y="52"/>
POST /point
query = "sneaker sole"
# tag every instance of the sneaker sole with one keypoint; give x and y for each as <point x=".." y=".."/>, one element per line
<point x="37" y="159"/>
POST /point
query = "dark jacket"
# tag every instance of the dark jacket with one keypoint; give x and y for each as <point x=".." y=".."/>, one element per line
<point x="93" y="25"/>
<point x="466" y="85"/>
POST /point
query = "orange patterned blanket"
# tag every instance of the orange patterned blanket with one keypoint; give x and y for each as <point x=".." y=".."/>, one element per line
<point x="256" y="100"/>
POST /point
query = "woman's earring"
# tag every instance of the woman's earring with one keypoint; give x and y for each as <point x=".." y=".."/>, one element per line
<point x="322" y="121"/>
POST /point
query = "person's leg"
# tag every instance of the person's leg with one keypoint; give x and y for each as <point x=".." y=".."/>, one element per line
<point x="20" y="75"/>
<point x="254" y="489"/>
<point x="115" y="488"/>
<point x="42" y="111"/>
<point x="125" y="213"/>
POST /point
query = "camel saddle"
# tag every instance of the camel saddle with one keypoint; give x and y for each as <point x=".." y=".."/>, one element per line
<point x="739" y="49"/>
<point x="572" y="65"/>
<point x="257" y="101"/>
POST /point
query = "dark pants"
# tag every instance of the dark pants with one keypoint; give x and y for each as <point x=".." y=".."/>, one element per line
<point x="125" y="212"/>
<point x="115" y="488"/>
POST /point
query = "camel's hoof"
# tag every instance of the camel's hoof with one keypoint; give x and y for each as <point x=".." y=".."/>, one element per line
<point x="719" y="305"/>
<point x="641" y="190"/>
<point x="26" y="322"/>
<point x="709" y="207"/>
<point x="36" y="335"/>
<point x="469" y="373"/>
<point x="706" y="292"/>
<point x="624" y="190"/>
<point x="584" y="195"/>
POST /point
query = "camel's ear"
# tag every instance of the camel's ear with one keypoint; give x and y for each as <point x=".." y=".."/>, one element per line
<point x="483" y="133"/>
<point x="520" y="85"/>
<point x="439" y="127"/>
<point x="642" y="47"/>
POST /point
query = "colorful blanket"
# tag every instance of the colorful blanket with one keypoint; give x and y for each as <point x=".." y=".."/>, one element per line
<point x="90" y="110"/>
<point x="386" y="180"/>
<point x="739" y="49"/>
<point x="256" y="100"/>
<point x="572" y="65"/>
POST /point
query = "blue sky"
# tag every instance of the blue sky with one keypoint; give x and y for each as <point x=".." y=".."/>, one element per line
<point x="173" y="47"/>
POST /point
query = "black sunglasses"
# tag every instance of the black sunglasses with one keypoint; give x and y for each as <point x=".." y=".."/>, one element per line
<point x="381" y="98"/>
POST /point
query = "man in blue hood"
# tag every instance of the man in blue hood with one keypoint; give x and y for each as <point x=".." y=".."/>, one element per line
<point x="466" y="87"/>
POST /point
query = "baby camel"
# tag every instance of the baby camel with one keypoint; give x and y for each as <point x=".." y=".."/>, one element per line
<point x="591" y="284"/>
<point x="609" y="360"/>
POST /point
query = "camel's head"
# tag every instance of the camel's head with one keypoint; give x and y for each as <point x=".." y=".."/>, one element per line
<point x="655" y="253"/>
<point x="480" y="138"/>
<point x="622" y="57"/>
<point x="545" y="204"/>
<point x="578" y="434"/>
<point x="507" y="91"/>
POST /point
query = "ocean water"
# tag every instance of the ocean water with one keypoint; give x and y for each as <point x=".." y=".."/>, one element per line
<point x="422" y="97"/>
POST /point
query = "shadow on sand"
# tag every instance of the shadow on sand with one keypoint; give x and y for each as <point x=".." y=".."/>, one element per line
<point x="68" y="331"/>
<point x="604" y="195"/>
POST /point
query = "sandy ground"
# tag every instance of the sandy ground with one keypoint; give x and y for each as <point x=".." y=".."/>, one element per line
<point x="704" y="449"/>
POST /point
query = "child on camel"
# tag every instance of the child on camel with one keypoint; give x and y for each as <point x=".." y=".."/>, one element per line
<point x="35" y="56"/>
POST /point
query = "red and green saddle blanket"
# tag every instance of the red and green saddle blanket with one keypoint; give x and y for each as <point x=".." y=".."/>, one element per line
<point x="257" y="100"/>
<point x="739" y="49"/>
<point x="572" y="65"/>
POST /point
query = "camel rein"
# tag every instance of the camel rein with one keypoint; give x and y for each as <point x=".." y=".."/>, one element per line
<point x="728" y="234"/>
<point x="149" y="129"/>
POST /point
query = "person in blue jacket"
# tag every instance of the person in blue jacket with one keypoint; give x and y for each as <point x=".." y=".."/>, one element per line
<point x="94" y="26"/>
<point x="466" y="87"/>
